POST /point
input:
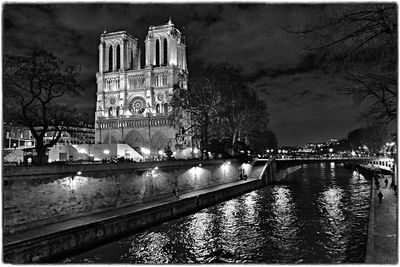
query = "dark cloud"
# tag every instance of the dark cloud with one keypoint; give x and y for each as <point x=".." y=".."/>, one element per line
<point x="308" y="63"/>
<point x="303" y="93"/>
<point x="251" y="37"/>
<point x="284" y="99"/>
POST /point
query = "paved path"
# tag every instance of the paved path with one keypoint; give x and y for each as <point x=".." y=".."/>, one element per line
<point x="384" y="236"/>
<point x="92" y="218"/>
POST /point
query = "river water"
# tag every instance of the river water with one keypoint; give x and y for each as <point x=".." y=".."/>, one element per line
<point x="319" y="216"/>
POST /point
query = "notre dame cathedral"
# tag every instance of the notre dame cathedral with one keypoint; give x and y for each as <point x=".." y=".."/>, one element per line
<point x="133" y="103"/>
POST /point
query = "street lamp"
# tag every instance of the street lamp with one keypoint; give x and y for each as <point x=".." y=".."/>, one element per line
<point x="148" y="116"/>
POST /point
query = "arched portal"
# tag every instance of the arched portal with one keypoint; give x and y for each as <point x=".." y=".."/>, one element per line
<point x="135" y="139"/>
<point x="110" y="139"/>
<point x="158" y="141"/>
<point x="165" y="108"/>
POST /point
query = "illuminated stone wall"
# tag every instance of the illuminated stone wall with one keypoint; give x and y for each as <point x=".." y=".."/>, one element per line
<point x="33" y="201"/>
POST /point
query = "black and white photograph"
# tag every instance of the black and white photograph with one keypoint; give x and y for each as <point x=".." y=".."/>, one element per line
<point x="199" y="132"/>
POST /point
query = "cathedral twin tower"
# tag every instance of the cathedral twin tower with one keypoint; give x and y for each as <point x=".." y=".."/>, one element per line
<point x="133" y="103"/>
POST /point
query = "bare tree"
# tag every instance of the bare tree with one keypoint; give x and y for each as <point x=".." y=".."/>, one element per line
<point x="33" y="85"/>
<point x="378" y="91"/>
<point x="195" y="110"/>
<point x="350" y="36"/>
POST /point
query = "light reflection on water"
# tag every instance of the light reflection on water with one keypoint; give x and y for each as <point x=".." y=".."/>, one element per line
<point x="321" y="215"/>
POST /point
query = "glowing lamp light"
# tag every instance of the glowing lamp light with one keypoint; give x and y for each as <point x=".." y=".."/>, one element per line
<point x="106" y="151"/>
<point x="200" y="165"/>
<point x="330" y="150"/>
<point x="160" y="152"/>
<point x="228" y="163"/>
<point x="353" y="153"/>
<point x="156" y="168"/>
<point x="145" y="151"/>
<point x="267" y="150"/>
<point x="392" y="144"/>
<point x="79" y="173"/>
<point x="195" y="150"/>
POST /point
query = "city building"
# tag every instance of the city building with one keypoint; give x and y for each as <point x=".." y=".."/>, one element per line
<point x="19" y="143"/>
<point x="133" y="103"/>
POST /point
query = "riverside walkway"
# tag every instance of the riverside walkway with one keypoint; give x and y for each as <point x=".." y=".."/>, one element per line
<point x="47" y="231"/>
<point x="382" y="228"/>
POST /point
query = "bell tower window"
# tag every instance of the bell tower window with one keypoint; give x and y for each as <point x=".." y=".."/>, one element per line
<point x="131" y="65"/>
<point x="110" y="59"/>
<point x="165" y="52"/>
<point x="157" y="53"/>
<point x="118" y="57"/>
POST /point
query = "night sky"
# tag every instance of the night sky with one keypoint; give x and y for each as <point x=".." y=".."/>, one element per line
<point x="301" y="92"/>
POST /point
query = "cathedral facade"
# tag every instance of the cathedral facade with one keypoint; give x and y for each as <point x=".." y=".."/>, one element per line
<point x="133" y="103"/>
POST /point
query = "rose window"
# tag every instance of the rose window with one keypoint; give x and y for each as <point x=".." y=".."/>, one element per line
<point x="112" y="101"/>
<point x="137" y="105"/>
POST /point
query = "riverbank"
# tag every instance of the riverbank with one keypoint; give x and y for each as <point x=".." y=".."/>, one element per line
<point x="54" y="241"/>
<point x="382" y="227"/>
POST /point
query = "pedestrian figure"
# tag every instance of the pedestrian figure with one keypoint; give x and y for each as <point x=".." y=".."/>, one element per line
<point x="380" y="195"/>
<point x="386" y="182"/>
<point x="395" y="189"/>
<point x="175" y="192"/>
<point x="377" y="184"/>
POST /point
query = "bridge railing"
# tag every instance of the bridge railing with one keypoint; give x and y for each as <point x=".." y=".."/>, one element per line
<point x="325" y="159"/>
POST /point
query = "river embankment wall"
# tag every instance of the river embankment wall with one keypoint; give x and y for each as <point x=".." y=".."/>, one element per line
<point x="54" y="245"/>
<point x="36" y="196"/>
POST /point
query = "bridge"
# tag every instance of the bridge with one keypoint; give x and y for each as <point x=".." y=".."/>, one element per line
<point x="285" y="163"/>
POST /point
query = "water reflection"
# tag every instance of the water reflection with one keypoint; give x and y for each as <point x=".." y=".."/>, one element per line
<point x="321" y="215"/>
<point x="199" y="234"/>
